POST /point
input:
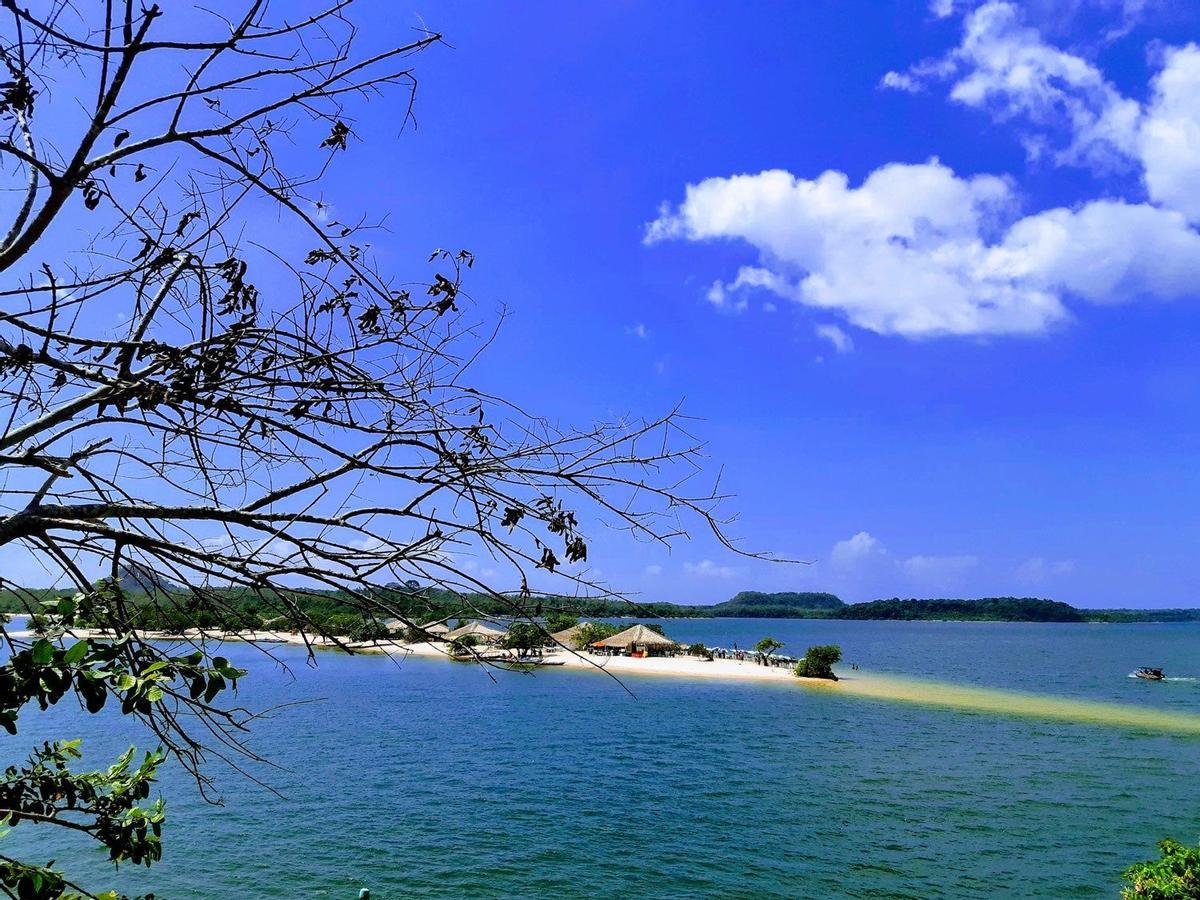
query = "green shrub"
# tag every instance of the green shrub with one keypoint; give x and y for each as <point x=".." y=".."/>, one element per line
<point x="462" y="646"/>
<point x="818" y="662"/>
<point x="1174" y="877"/>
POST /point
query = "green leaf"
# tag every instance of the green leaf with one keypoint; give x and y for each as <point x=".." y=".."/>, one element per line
<point x="124" y="681"/>
<point x="76" y="653"/>
<point x="43" y="652"/>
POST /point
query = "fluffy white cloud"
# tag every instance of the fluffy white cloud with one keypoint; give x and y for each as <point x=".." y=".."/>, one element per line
<point x="855" y="550"/>
<point x="918" y="251"/>
<point x="1004" y="66"/>
<point x="840" y="340"/>
<point x="900" y="81"/>
<point x="706" y="568"/>
<point x="1170" y="135"/>
<point x="1007" y="68"/>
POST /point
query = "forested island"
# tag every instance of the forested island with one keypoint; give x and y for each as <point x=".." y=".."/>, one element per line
<point x="167" y="607"/>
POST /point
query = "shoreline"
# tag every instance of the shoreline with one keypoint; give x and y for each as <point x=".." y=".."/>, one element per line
<point x="860" y="684"/>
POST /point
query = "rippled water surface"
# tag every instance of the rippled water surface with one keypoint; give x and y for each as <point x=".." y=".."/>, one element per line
<point x="431" y="779"/>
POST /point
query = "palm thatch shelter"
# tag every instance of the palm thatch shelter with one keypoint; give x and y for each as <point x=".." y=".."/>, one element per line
<point x="567" y="636"/>
<point x="436" y="629"/>
<point x="485" y="633"/>
<point x="638" y="639"/>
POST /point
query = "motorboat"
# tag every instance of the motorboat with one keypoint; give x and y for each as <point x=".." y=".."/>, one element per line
<point x="1148" y="673"/>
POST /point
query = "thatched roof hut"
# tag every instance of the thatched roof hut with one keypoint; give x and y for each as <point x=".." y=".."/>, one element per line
<point x="484" y="632"/>
<point x="567" y="636"/>
<point x="637" y="636"/>
<point x="437" y="629"/>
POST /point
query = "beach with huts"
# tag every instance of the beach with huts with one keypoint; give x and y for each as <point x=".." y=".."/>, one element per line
<point x="639" y="650"/>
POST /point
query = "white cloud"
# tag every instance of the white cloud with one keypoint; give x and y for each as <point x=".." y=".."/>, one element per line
<point x="654" y="570"/>
<point x="918" y="251"/>
<point x="942" y="9"/>
<point x="639" y="331"/>
<point x="706" y="568"/>
<point x="1037" y="570"/>
<point x="719" y="296"/>
<point x="853" y="551"/>
<point x="1170" y="135"/>
<point x="938" y="572"/>
<point x="899" y="81"/>
<point x="1005" y="67"/>
<point x="840" y="340"/>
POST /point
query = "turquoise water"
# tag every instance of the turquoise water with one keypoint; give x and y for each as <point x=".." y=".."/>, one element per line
<point x="431" y="779"/>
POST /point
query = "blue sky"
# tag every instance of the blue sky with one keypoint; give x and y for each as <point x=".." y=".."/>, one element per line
<point x="1005" y="405"/>
<point x="928" y="274"/>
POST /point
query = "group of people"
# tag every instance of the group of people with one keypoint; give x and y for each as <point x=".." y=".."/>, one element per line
<point x="742" y="655"/>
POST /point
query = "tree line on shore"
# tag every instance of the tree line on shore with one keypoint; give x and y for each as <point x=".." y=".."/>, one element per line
<point x="170" y="608"/>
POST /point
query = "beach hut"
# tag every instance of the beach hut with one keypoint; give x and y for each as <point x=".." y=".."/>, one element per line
<point x="637" y="641"/>
<point x="485" y="633"/>
<point x="436" y="629"/>
<point x="567" y="636"/>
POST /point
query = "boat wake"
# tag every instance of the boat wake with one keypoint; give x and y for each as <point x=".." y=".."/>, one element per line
<point x="1190" y="679"/>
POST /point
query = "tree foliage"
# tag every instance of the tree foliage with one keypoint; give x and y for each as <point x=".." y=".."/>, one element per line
<point x="525" y="636"/>
<point x="560" y="621"/>
<point x="590" y="632"/>
<point x="1174" y="876"/>
<point x="818" y="662"/>
<point x="768" y="647"/>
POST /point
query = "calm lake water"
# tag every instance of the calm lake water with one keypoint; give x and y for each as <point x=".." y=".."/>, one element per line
<point x="431" y="779"/>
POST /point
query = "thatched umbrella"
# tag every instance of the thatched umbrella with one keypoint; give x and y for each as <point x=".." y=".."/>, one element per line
<point x="485" y="633"/>
<point x="437" y="629"/>
<point x="637" y="636"/>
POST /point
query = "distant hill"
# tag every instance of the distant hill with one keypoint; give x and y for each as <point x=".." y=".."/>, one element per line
<point x="988" y="609"/>
<point x="781" y="605"/>
<point x="138" y="579"/>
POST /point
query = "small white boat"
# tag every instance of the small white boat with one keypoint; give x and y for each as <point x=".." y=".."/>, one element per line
<point x="1149" y="673"/>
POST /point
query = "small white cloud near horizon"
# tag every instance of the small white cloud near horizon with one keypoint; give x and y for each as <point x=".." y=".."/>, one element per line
<point x="840" y="340"/>
<point x="706" y="568"/>
<point x="654" y="570"/>
<point x="1037" y="570"/>
<point x="938" y="572"/>
<point x="855" y="550"/>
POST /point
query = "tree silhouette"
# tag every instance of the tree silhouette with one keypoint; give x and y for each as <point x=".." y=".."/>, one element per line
<point x="219" y="388"/>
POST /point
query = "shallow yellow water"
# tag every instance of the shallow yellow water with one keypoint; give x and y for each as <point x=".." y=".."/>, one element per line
<point x="1016" y="703"/>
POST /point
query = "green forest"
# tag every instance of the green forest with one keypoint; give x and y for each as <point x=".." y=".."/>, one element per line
<point x="172" y="608"/>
